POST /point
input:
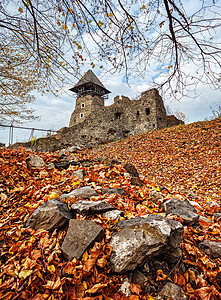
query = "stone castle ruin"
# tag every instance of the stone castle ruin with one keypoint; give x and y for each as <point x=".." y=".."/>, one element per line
<point x="93" y="123"/>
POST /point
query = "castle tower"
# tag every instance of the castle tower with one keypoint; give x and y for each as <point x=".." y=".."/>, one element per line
<point x="90" y="97"/>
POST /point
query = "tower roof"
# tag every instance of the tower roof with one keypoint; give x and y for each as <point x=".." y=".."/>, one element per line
<point x="91" y="79"/>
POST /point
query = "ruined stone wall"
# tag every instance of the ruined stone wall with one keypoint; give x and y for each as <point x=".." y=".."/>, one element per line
<point x="108" y="123"/>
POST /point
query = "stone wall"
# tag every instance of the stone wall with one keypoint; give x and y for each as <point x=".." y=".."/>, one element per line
<point x="84" y="107"/>
<point x="104" y="124"/>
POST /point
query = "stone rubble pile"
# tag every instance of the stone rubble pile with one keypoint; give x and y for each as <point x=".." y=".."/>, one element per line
<point x="140" y="245"/>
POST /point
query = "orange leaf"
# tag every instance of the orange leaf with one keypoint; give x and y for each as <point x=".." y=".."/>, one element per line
<point x="135" y="288"/>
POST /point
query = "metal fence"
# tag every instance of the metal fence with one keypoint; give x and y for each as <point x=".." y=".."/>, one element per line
<point x="11" y="132"/>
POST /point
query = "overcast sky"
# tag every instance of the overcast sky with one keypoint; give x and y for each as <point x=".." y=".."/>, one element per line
<point x="55" y="112"/>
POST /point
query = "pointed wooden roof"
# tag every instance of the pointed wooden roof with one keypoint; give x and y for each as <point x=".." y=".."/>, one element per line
<point x="89" y="78"/>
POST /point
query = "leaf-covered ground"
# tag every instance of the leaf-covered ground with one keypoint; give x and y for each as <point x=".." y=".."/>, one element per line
<point x="185" y="160"/>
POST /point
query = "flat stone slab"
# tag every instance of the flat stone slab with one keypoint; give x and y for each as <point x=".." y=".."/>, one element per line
<point x="172" y="291"/>
<point x="53" y="214"/>
<point x="34" y="161"/>
<point x="86" y="208"/>
<point x="141" y="239"/>
<point x="81" y="236"/>
<point x="211" y="248"/>
<point x="182" y="209"/>
<point x="85" y="193"/>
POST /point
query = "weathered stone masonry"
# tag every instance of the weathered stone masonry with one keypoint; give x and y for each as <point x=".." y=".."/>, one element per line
<point x="93" y="123"/>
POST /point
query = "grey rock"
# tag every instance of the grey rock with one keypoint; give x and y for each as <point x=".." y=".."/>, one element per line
<point x="34" y="161"/>
<point x="172" y="291"/>
<point x="90" y="207"/>
<point x="212" y="203"/>
<point x="131" y="169"/>
<point x="182" y="209"/>
<point x="73" y="149"/>
<point x="145" y="268"/>
<point x="140" y="239"/>
<point x="159" y="265"/>
<point x="81" y="236"/>
<point x="125" y="287"/>
<point x="136" y="181"/>
<point x="113" y="191"/>
<point x="79" y="173"/>
<point x="156" y="196"/>
<point x="212" y="249"/>
<point x="63" y="152"/>
<point x="141" y="278"/>
<point x="85" y="193"/>
<point x="172" y="257"/>
<point x="50" y="166"/>
<point x="87" y="164"/>
<point x="196" y="204"/>
<point x="53" y="214"/>
<point x="113" y="214"/>
<point x="205" y="219"/>
<point x="217" y="215"/>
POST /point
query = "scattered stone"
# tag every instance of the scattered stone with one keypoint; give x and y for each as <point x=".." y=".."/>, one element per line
<point x="34" y="161"/>
<point x="141" y="239"/>
<point x="63" y="152"/>
<point x="125" y="287"/>
<point x="114" y="162"/>
<point x="217" y="215"/>
<point x="196" y="205"/>
<point x="81" y="236"/>
<point x="172" y="291"/>
<point x="136" y="181"/>
<point x="141" y="278"/>
<point x="156" y="196"/>
<point x="172" y="257"/>
<point x="145" y="268"/>
<point x="205" y="219"/>
<point x="113" y="214"/>
<point x="159" y="265"/>
<point x="65" y="164"/>
<point x="113" y="191"/>
<point x="51" y="166"/>
<point x="86" y="208"/>
<point x="85" y="193"/>
<point x="53" y="214"/>
<point x="191" y="194"/>
<point x="212" y="203"/>
<point x="131" y="169"/>
<point x="182" y="209"/>
<point x="127" y="175"/>
<point x="212" y="249"/>
<point x="80" y="173"/>
<point x="87" y="164"/>
<point x="73" y="149"/>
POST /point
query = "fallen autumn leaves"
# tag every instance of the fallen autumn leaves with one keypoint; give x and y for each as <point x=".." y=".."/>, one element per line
<point x="179" y="162"/>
